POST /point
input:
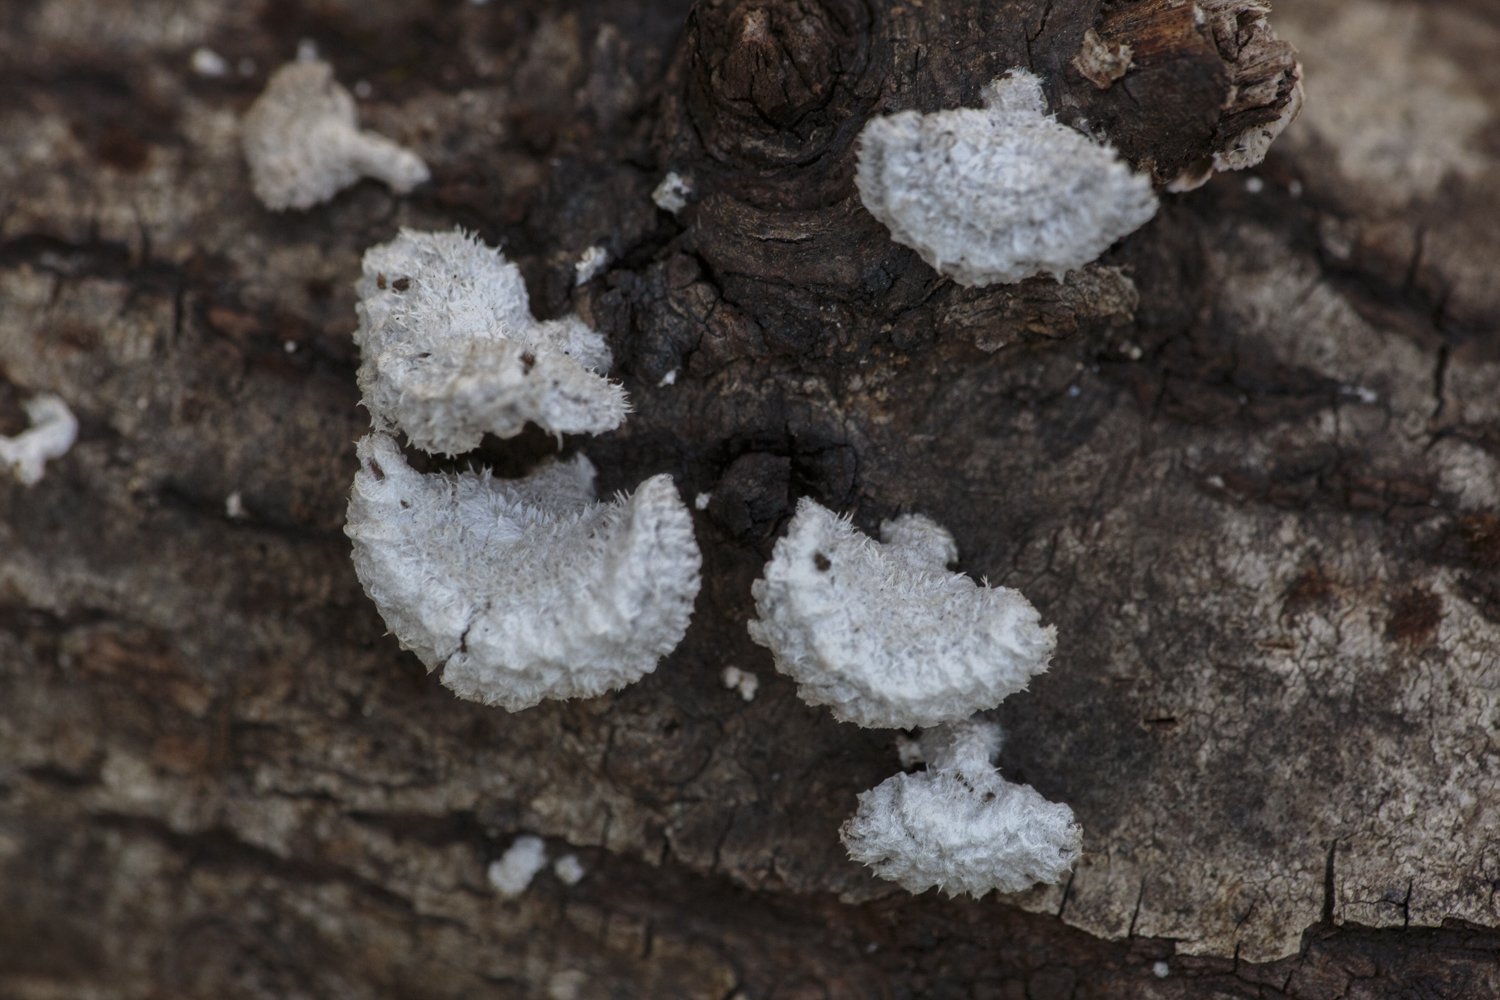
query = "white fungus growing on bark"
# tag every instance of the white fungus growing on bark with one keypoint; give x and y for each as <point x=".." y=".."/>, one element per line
<point x="671" y="195"/>
<point x="958" y="825"/>
<point x="882" y="633"/>
<point x="303" y="143"/>
<point x="510" y="874"/>
<point x="521" y="590"/>
<point x="998" y="193"/>
<point x="52" y="432"/>
<point x="449" y="350"/>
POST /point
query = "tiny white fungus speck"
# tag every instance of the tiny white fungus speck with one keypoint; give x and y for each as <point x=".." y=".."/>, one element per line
<point x="568" y="869"/>
<point x="53" y="431"/>
<point x="207" y="62"/>
<point x="671" y="194"/>
<point x="589" y="264"/>
<point x="512" y="872"/>
<point x="743" y="681"/>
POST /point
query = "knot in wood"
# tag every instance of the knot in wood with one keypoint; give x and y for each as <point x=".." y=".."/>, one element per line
<point x="767" y="72"/>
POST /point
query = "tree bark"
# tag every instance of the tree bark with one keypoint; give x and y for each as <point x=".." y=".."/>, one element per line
<point x="1248" y="463"/>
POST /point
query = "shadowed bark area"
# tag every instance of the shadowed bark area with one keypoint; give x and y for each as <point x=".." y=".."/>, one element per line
<point x="1248" y="463"/>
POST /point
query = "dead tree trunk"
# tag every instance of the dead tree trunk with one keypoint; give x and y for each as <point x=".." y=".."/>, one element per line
<point x="1248" y="463"/>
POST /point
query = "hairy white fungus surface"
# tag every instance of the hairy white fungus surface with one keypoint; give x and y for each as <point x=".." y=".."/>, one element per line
<point x="998" y="193"/>
<point x="304" y="145"/>
<point x="882" y="633"/>
<point x="524" y="589"/>
<point x="958" y="825"/>
<point x="449" y="349"/>
<point x="52" y="432"/>
<point x="511" y="874"/>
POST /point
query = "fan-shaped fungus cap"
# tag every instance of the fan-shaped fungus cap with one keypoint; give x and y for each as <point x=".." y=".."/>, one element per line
<point x="526" y="589"/>
<point x="449" y="349"/>
<point x="304" y="145"/>
<point x="999" y="193"/>
<point x="958" y="825"/>
<point x="882" y="633"/>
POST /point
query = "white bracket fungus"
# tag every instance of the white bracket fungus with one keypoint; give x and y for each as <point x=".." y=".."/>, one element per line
<point x="52" y="432"/>
<point x="958" y="825"/>
<point x="450" y="350"/>
<point x="882" y="633"/>
<point x="526" y="589"/>
<point x="304" y="145"/>
<point x="999" y="193"/>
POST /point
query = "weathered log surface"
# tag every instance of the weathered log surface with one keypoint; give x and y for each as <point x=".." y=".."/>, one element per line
<point x="1249" y="464"/>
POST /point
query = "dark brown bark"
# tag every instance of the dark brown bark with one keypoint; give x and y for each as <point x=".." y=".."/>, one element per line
<point x="1248" y="463"/>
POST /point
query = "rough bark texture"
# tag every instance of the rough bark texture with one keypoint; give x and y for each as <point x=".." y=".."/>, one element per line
<point x="1249" y="464"/>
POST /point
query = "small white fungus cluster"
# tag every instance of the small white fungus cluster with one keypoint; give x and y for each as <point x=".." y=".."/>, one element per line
<point x="303" y="143"/>
<point x="882" y="633"/>
<point x="522" y="590"/>
<point x="999" y="193"/>
<point x="960" y="827"/>
<point x="741" y="681"/>
<point x="52" y="432"/>
<point x="450" y="351"/>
